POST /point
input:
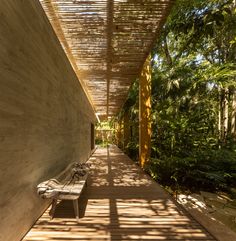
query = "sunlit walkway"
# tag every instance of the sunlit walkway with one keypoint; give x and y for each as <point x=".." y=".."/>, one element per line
<point x="120" y="203"/>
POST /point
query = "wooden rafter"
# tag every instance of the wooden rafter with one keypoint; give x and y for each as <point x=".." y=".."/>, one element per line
<point x="110" y="6"/>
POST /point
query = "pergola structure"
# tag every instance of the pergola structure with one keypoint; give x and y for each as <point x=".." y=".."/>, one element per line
<point x="52" y="83"/>
<point x="107" y="43"/>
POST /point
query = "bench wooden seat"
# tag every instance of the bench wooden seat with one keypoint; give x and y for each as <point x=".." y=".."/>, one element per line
<point x="68" y="185"/>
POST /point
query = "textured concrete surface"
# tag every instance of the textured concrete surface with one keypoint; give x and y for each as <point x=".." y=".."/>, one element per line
<point x="45" y="118"/>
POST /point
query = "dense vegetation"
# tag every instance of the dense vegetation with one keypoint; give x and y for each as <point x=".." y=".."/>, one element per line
<point x="193" y="98"/>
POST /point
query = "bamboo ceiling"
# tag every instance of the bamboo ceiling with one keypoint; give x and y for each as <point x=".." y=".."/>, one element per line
<point x="107" y="42"/>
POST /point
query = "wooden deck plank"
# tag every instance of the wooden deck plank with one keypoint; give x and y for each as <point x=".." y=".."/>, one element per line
<point x="121" y="202"/>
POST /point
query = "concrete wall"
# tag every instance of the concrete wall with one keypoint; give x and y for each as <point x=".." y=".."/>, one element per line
<point x="45" y="117"/>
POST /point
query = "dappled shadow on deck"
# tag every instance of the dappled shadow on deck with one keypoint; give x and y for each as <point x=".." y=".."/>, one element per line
<point x="120" y="203"/>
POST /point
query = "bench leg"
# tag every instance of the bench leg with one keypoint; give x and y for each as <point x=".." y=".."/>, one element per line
<point x="53" y="208"/>
<point x="76" y="209"/>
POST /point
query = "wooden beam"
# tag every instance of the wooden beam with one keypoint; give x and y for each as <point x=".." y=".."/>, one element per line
<point x="110" y="9"/>
<point x="126" y="129"/>
<point x="145" y="113"/>
<point x="119" y="133"/>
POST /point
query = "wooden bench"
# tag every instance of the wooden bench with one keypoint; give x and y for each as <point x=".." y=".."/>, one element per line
<point x="68" y="185"/>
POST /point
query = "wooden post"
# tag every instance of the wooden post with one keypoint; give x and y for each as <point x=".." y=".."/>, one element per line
<point x="145" y="113"/>
<point x="119" y="133"/>
<point x="126" y="129"/>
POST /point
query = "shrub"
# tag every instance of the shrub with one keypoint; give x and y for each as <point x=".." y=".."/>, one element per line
<point x="209" y="170"/>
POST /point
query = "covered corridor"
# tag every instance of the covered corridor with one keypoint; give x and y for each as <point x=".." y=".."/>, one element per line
<point x="121" y="202"/>
<point x="64" y="66"/>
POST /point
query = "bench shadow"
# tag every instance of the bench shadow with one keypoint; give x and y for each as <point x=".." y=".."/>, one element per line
<point x="65" y="209"/>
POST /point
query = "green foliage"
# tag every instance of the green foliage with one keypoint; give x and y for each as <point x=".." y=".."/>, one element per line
<point x="101" y="143"/>
<point x="209" y="170"/>
<point x="98" y="142"/>
<point x="131" y="104"/>
<point x="193" y="64"/>
<point x="132" y="150"/>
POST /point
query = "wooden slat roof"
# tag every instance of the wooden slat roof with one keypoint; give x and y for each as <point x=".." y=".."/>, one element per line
<point x="107" y="42"/>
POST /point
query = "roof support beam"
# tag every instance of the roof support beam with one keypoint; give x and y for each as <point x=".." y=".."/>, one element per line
<point x="126" y="129"/>
<point x="110" y="14"/>
<point x="119" y="133"/>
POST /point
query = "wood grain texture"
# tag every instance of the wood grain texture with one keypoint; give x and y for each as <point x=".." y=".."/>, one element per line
<point x="45" y="117"/>
<point x="120" y="203"/>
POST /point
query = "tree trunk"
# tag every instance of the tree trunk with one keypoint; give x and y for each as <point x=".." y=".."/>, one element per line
<point x="167" y="53"/>
<point x="225" y="115"/>
<point x="219" y="115"/>
<point x="233" y="115"/>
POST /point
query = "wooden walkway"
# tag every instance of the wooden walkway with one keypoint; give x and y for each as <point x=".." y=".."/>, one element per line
<point x="120" y="203"/>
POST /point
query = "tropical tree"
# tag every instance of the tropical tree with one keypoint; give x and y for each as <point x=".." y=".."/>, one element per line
<point x="193" y="96"/>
